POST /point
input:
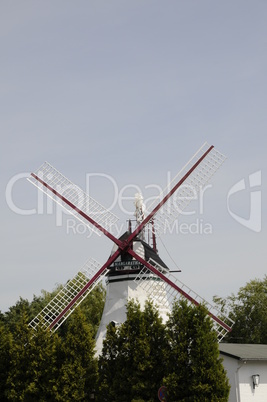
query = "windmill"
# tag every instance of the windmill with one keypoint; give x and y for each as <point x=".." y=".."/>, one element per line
<point x="134" y="268"/>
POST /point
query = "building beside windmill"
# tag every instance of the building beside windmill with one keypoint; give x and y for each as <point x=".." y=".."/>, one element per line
<point x="246" y="367"/>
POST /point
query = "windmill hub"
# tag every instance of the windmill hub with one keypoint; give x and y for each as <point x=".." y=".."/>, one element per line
<point x="126" y="264"/>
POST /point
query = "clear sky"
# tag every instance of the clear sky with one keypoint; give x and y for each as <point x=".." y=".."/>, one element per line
<point x="125" y="92"/>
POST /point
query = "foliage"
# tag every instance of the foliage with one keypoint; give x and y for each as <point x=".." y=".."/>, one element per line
<point x="35" y="366"/>
<point x="249" y="311"/>
<point x="11" y="317"/>
<point x="138" y="356"/>
<point x="30" y="377"/>
<point x="78" y="372"/>
<point x="195" y="371"/>
<point x="92" y="307"/>
<point x="142" y="354"/>
<point x="5" y="346"/>
<point x="132" y="362"/>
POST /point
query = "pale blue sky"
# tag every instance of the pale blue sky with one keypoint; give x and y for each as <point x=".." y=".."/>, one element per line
<point x="132" y="90"/>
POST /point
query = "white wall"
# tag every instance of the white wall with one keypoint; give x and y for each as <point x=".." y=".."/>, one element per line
<point x="259" y="394"/>
<point x="231" y="366"/>
<point x="240" y="378"/>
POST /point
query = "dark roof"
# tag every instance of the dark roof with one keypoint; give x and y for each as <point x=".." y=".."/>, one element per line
<point x="243" y="351"/>
<point x="124" y="236"/>
<point x="150" y="253"/>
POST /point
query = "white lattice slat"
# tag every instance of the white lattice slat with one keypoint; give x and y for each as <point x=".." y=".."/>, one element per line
<point x="151" y="284"/>
<point x="66" y="295"/>
<point x="55" y="185"/>
<point x="189" y="189"/>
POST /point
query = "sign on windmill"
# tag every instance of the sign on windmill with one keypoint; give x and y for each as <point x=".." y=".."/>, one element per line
<point x="151" y="276"/>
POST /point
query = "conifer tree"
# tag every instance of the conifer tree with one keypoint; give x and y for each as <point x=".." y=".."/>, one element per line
<point x="109" y="364"/>
<point x="195" y="371"/>
<point x="5" y="347"/>
<point x="131" y="366"/>
<point x="32" y="363"/>
<point x="76" y="361"/>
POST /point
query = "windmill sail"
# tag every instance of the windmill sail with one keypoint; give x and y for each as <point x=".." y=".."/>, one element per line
<point x="72" y="198"/>
<point x="193" y="178"/>
<point x="69" y="297"/>
<point x="158" y="289"/>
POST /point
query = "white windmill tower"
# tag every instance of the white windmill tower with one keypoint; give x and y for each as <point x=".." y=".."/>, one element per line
<point x="133" y="269"/>
<point x="124" y="275"/>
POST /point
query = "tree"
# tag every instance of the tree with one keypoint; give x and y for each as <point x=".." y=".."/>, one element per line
<point x="249" y="311"/>
<point x="14" y="314"/>
<point x="109" y="366"/>
<point x="132" y="363"/>
<point x="142" y="354"/>
<point x="31" y="375"/>
<point x="5" y="346"/>
<point x="37" y="366"/>
<point x="76" y="362"/>
<point x="92" y="307"/>
<point x="195" y="371"/>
